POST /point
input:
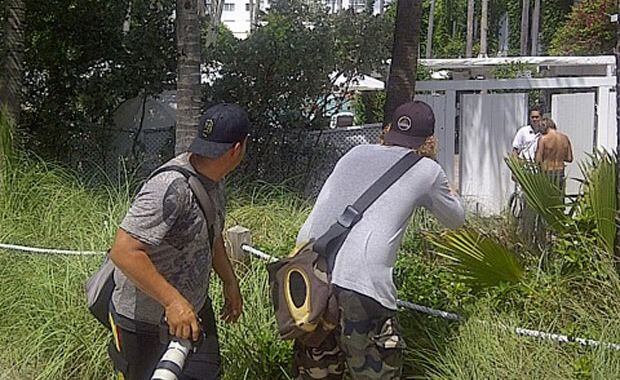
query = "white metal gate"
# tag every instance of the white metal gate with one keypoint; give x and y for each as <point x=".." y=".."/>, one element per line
<point x="488" y="125"/>
<point x="574" y="116"/>
<point x="444" y="130"/>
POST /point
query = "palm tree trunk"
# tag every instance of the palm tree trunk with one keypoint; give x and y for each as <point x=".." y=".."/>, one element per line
<point x="429" y="33"/>
<point x="469" y="49"/>
<point x="401" y="81"/>
<point x="127" y="21"/>
<point x="252" y="10"/>
<point x="535" y="27"/>
<point x="339" y="5"/>
<point x="525" y="24"/>
<point x="256" y="13"/>
<point x="484" y="26"/>
<point x="617" y="53"/>
<point x="11" y="77"/>
<point x="188" y="75"/>
<point x="215" y="19"/>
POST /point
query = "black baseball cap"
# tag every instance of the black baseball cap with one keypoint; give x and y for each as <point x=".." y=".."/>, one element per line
<point x="412" y="124"/>
<point x="219" y="129"/>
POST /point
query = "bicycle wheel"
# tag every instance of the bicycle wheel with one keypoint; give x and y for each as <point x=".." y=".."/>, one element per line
<point x="515" y="202"/>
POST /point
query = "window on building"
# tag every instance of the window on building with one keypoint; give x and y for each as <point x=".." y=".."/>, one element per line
<point x="229" y="7"/>
<point x="247" y="7"/>
<point x="358" y="5"/>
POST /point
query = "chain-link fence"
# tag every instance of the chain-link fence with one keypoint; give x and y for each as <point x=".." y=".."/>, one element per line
<point x="113" y="155"/>
<point x="300" y="159"/>
<point x="340" y="140"/>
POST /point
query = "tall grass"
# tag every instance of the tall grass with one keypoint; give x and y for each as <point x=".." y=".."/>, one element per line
<point x="47" y="333"/>
<point x="485" y="347"/>
<point x="46" y="329"/>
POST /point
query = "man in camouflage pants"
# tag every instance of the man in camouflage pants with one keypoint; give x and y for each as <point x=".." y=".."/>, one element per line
<point x="368" y="341"/>
<point x="362" y="321"/>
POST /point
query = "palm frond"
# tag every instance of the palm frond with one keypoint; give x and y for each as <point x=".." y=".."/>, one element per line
<point x="541" y="193"/>
<point x="481" y="260"/>
<point x="599" y="197"/>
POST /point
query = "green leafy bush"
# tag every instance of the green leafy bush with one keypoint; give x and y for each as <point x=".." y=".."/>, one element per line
<point x="588" y="31"/>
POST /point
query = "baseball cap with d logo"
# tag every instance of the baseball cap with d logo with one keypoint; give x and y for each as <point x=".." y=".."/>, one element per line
<point x="219" y="129"/>
<point x="412" y="124"/>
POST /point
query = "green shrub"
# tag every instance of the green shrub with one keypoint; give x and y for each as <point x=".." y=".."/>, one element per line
<point x="588" y="31"/>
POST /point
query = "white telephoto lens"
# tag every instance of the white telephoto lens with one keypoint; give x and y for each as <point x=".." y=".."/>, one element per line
<point x="172" y="361"/>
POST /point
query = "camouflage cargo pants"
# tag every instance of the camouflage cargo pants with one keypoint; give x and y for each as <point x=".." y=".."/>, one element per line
<point x="367" y="342"/>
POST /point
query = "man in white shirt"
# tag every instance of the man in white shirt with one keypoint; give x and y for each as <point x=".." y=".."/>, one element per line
<point x="526" y="140"/>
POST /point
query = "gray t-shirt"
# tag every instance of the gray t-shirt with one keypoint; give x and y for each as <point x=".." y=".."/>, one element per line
<point x="366" y="260"/>
<point x="166" y="216"/>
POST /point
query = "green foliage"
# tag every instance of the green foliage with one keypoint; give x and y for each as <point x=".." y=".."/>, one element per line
<point x="513" y="70"/>
<point x="554" y="14"/>
<point x="283" y="73"/>
<point x="481" y="260"/>
<point x="369" y="107"/>
<point x="588" y="30"/>
<point x="80" y="66"/>
<point x="541" y="194"/>
<point x="288" y="89"/>
<point x="6" y="141"/>
<point x="485" y="347"/>
<point x="2" y="31"/>
<point x="600" y="196"/>
<point x="48" y="334"/>
<point x="590" y="218"/>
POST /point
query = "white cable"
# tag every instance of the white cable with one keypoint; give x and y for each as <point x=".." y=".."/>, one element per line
<point x="259" y="254"/>
<point x="565" y="338"/>
<point x="455" y="317"/>
<point x="22" y="248"/>
<point x="429" y="311"/>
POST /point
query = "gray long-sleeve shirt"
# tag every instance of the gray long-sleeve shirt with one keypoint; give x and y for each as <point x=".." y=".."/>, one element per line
<point x="366" y="260"/>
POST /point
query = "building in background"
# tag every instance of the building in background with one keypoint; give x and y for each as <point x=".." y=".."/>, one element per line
<point x="236" y="13"/>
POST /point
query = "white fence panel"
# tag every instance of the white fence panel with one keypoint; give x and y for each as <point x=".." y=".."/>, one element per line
<point x="488" y="125"/>
<point x="574" y="116"/>
<point x="444" y="130"/>
<point x="612" y="123"/>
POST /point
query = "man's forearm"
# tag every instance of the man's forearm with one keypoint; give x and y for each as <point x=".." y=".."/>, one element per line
<point x="221" y="263"/>
<point x="137" y="266"/>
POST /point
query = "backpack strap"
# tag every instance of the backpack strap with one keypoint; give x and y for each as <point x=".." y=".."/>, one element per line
<point x="205" y="201"/>
<point x="330" y="242"/>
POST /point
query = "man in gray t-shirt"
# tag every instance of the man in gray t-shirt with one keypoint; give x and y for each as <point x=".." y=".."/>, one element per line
<point x="164" y="251"/>
<point x="363" y="268"/>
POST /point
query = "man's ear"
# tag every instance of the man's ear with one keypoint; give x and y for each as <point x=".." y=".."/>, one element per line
<point x="237" y="148"/>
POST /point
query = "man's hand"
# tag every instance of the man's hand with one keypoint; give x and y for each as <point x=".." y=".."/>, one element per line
<point x="130" y="256"/>
<point x="182" y="320"/>
<point x="233" y="303"/>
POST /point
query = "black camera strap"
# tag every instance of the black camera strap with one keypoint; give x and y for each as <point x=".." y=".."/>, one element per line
<point x="205" y="201"/>
<point x="331" y="241"/>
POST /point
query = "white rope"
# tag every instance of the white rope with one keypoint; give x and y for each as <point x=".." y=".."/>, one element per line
<point x="429" y="311"/>
<point x="565" y="339"/>
<point x="22" y="248"/>
<point x="455" y="317"/>
<point x="259" y="254"/>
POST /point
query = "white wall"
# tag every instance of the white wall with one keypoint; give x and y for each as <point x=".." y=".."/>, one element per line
<point x="238" y="19"/>
<point x="488" y="125"/>
<point x="574" y="115"/>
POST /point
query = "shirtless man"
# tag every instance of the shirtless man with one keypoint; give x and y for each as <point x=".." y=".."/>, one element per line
<point x="553" y="151"/>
